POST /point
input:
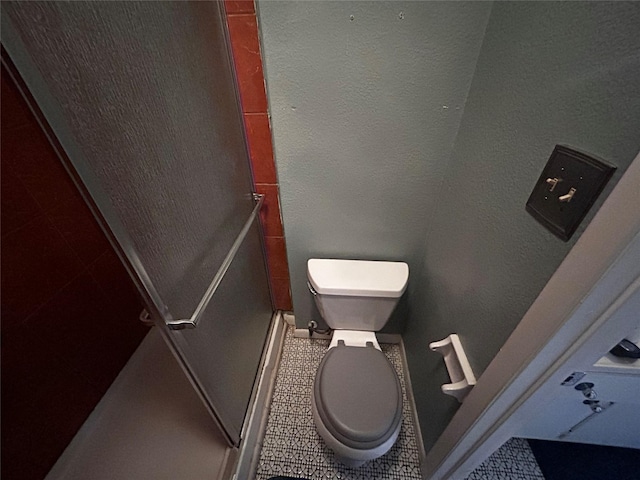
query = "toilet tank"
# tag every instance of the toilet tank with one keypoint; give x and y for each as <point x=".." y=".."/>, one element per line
<point x="356" y="294"/>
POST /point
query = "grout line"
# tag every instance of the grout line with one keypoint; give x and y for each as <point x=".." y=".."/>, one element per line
<point x="241" y="14"/>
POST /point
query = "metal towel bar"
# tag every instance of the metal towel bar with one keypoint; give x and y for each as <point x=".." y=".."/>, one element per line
<point x="192" y="322"/>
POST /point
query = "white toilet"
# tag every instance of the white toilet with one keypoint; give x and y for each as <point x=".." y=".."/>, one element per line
<point x="357" y="399"/>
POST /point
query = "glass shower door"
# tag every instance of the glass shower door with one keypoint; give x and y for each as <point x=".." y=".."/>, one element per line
<point x="141" y="97"/>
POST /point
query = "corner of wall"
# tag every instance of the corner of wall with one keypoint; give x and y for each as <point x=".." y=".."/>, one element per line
<point x="247" y="54"/>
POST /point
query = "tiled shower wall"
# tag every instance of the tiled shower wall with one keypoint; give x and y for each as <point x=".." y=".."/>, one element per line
<point x="245" y="41"/>
<point x="69" y="308"/>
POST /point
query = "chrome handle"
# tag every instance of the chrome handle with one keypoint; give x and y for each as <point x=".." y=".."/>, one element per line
<point x="192" y="321"/>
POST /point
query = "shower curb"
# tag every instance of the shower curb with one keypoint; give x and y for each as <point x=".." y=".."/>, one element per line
<point x="252" y="437"/>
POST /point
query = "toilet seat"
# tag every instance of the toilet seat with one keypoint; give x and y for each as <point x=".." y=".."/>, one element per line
<point x="358" y="396"/>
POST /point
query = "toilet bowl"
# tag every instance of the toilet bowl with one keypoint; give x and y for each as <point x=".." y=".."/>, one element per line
<point x="357" y="398"/>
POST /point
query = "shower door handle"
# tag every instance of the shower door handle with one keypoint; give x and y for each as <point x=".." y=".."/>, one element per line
<point x="192" y="321"/>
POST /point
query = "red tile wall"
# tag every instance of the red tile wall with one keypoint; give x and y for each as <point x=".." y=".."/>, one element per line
<point x="69" y="308"/>
<point x="245" y="43"/>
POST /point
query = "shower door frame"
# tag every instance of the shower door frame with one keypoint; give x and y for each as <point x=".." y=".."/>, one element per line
<point x="146" y="289"/>
<point x="153" y="312"/>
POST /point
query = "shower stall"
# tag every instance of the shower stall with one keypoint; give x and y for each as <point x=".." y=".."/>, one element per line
<point x="142" y="103"/>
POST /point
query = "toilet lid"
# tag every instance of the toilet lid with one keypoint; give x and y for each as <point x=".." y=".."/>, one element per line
<point x="358" y="396"/>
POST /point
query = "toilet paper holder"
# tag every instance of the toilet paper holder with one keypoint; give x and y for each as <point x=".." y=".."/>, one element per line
<point x="458" y="366"/>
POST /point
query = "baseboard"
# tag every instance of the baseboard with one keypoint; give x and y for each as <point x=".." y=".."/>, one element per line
<point x="393" y="338"/>
<point x="304" y="333"/>
<point x="422" y="454"/>
<point x="253" y="434"/>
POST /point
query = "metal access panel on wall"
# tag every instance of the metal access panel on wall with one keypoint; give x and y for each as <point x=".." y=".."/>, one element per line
<point x="567" y="188"/>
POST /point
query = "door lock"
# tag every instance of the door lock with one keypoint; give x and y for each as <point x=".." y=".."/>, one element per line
<point x="587" y="390"/>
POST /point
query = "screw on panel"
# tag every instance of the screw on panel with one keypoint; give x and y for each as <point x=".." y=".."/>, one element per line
<point x="352" y="18"/>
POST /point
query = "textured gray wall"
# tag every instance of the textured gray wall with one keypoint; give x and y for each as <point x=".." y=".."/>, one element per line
<point x="548" y="73"/>
<point x="364" y="115"/>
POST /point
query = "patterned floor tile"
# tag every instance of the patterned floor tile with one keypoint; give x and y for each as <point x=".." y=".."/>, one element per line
<point x="512" y="461"/>
<point x="292" y="445"/>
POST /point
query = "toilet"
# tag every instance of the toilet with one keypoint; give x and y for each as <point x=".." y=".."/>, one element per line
<point x="357" y="399"/>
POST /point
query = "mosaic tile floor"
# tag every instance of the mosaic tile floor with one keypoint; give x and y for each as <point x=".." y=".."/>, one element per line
<point x="291" y="445"/>
<point x="512" y="461"/>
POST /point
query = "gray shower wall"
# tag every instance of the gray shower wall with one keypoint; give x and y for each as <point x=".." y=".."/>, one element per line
<point x="548" y="73"/>
<point x="366" y="99"/>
